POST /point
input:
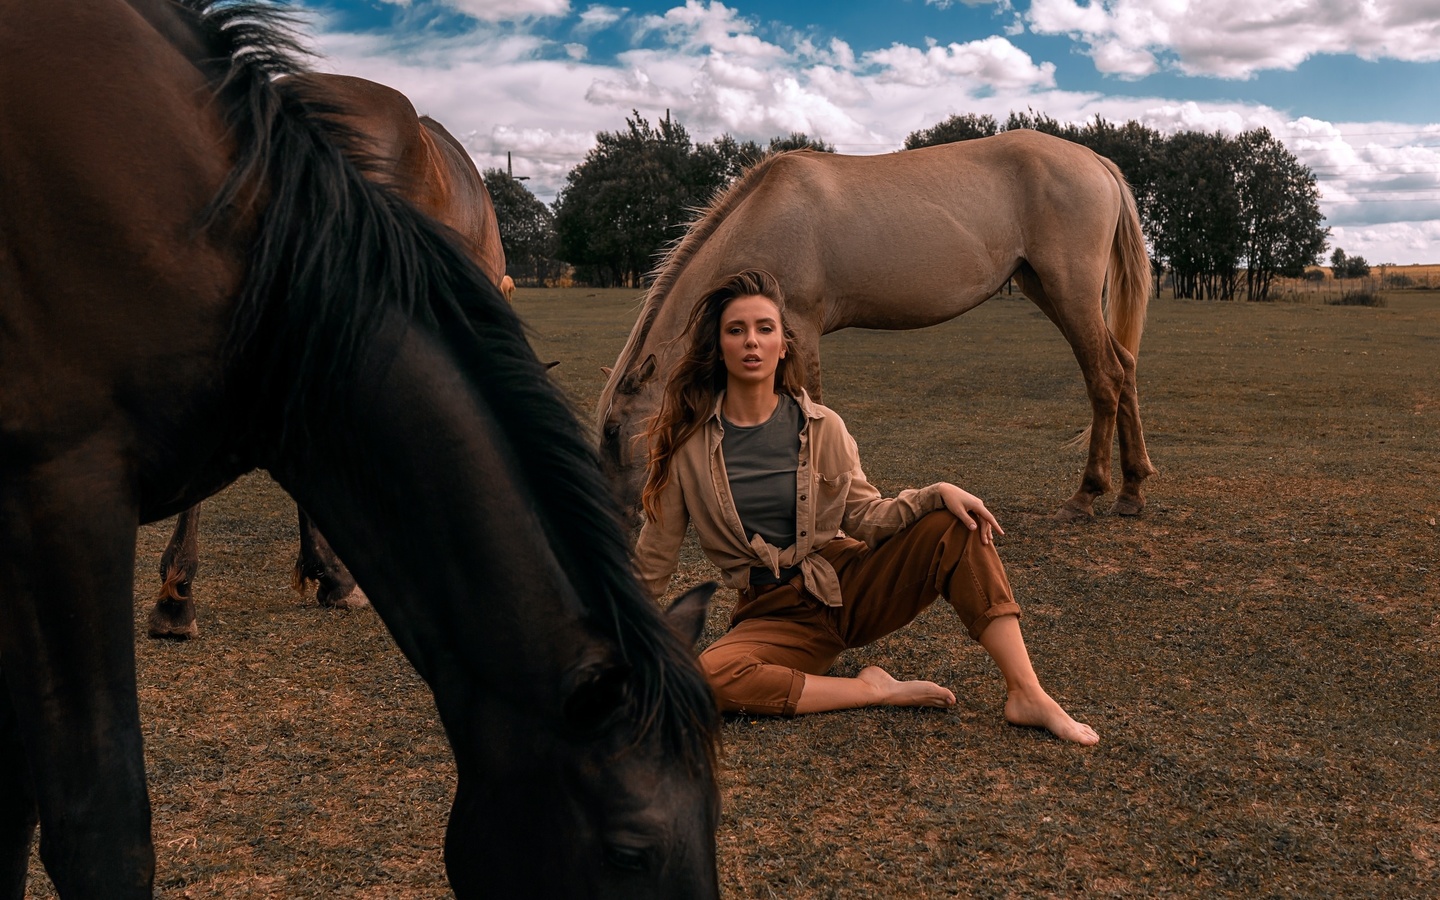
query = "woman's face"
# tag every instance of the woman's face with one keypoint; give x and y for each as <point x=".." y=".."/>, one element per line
<point x="752" y="342"/>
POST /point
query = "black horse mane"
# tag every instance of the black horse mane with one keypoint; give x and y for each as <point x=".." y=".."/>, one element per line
<point x="335" y="253"/>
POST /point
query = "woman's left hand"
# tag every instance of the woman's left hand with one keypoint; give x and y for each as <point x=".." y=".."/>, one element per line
<point x="970" y="510"/>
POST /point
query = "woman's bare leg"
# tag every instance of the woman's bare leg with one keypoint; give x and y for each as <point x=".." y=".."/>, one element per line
<point x="872" y="687"/>
<point x="1026" y="702"/>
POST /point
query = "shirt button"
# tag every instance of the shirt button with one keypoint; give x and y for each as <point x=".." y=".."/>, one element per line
<point x="802" y="534"/>
<point x="802" y="496"/>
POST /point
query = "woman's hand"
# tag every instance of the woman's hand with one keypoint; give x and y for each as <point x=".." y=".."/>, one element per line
<point x="970" y="510"/>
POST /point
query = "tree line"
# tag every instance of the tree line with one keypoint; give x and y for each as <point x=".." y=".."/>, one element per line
<point x="1223" y="215"/>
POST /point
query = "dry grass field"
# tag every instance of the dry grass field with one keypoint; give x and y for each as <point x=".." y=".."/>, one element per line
<point x="1260" y="651"/>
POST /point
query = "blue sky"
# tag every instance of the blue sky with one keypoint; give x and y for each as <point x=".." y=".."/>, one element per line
<point x="1352" y="86"/>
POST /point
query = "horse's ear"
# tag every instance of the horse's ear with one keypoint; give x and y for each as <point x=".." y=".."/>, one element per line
<point x="607" y="371"/>
<point x="599" y="692"/>
<point x="647" y="370"/>
<point x="551" y="364"/>
<point x="687" y="615"/>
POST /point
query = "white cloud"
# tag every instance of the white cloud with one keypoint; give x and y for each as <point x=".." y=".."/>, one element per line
<point x="993" y="62"/>
<point x="1237" y="38"/>
<point x="507" y="10"/>
<point x="577" y="51"/>
<point x="715" y="72"/>
<point x="598" y="18"/>
<point x="946" y="4"/>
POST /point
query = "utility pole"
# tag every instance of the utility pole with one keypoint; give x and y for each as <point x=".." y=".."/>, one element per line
<point x="510" y="169"/>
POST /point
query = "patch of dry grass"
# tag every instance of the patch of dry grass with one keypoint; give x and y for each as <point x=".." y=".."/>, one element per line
<point x="1260" y="651"/>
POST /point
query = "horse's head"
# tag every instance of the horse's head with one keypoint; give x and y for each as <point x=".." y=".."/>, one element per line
<point x="630" y="399"/>
<point x="611" y="787"/>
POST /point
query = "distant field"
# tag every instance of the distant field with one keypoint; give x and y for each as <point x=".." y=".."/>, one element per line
<point x="1260" y="651"/>
<point x="1385" y="278"/>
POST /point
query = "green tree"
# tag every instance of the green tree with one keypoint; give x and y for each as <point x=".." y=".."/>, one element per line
<point x="1196" y="215"/>
<point x="965" y="127"/>
<point x="1279" y="212"/>
<point x="527" y="229"/>
<point x="799" y="140"/>
<point x="1342" y="266"/>
<point x="630" y="197"/>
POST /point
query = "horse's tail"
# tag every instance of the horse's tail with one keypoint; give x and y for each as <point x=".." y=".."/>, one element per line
<point x="1128" y="279"/>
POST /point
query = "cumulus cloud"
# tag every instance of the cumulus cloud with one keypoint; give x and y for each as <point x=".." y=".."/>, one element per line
<point x="507" y="10"/>
<point x="598" y="18"/>
<point x="1237" y="38"/>
<point x="993" y="61"/>
<point x="716" y="71"/>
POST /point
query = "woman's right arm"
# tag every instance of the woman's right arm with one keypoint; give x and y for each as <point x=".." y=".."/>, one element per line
<point x="657" y="551"/>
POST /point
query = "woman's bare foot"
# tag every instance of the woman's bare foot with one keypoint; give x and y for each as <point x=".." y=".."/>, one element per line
<point x="1034" y="708"/>
<point x="904" y="693"/>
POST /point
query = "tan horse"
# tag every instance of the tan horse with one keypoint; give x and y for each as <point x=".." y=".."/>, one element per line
<point x="907" y="240"/>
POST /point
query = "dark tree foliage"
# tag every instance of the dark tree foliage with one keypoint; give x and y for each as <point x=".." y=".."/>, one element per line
<point x="630" y="197"/>
<point x="956" y="128"/>
<point x="799" y="140"/>
<point x="1198" y="230"/>
<point x="527" y="229"/>
<point x="1343" y="267"/>
<point x="1279" y="212"/>
<point x="635" y="192"/>
<point x="1034" y="121"/>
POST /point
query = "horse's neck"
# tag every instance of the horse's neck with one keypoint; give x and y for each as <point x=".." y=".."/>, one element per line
<point x="436" y="494"/>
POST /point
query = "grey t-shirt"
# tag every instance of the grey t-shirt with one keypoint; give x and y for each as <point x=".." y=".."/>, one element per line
<point x="761" y="461"/>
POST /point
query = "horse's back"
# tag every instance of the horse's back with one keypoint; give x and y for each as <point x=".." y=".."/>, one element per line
<point x="110" y="290"/>
<point x="913" y="238"/>
<point x="418" y="158"/>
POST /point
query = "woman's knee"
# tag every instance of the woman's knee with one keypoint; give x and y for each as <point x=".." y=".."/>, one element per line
<point x="744" y="683"/>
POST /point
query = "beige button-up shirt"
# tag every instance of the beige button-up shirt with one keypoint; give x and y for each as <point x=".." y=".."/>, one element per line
<point x="831" y="496"/>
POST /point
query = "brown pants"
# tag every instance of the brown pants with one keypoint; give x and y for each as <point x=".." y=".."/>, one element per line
<point x="778" y="635"/>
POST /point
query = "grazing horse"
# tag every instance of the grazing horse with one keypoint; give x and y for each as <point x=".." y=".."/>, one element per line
<point x="415" y="156"/>
<point x="908" y="240"/>
<point x="196" y="280"/>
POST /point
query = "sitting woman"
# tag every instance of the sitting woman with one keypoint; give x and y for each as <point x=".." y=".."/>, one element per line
<point x="823" y="563"/>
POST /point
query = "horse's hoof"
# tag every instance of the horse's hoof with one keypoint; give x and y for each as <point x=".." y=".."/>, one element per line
<point x="173" y="621"/>
<point x="1128" y="506"/>
<point x="1072" y="513"/>
<point x="356" y="599"/>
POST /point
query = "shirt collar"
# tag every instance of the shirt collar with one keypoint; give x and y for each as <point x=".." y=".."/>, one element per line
<point x="807" y="406"/>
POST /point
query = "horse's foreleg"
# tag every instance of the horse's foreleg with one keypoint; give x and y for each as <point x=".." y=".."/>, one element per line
<point x="317" y="562"/>
<point x="18" y="813"/>
<point x="1134" y="460"/>
<point x="807" y="348"/>
<point x="67" y="556"/>
<point x="173" y="615"/>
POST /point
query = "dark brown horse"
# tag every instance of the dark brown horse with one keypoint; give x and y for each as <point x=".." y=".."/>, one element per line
<point x="196" y="280"/>
<point x="415" y="156"/>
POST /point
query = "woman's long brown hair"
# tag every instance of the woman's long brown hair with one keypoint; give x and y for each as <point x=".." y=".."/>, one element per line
<point x="699" y="377"/>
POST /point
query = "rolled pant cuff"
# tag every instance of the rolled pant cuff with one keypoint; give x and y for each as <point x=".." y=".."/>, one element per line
<point x="1007" y="608"/>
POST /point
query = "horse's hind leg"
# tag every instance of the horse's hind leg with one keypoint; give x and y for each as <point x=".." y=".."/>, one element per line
<point x="1134" y="459"/>
<point x="318" y="562"/>
<point x="18" y="813"/>
<point x="173" y="615"/>
<point x="67" y="556"/>
<point x="1105" y="377"/>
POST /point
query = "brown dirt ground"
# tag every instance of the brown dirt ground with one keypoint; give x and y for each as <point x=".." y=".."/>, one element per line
<point x="1260" y="651"/>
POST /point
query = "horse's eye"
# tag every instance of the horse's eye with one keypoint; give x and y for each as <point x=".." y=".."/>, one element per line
<point x="631" y="859"/>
